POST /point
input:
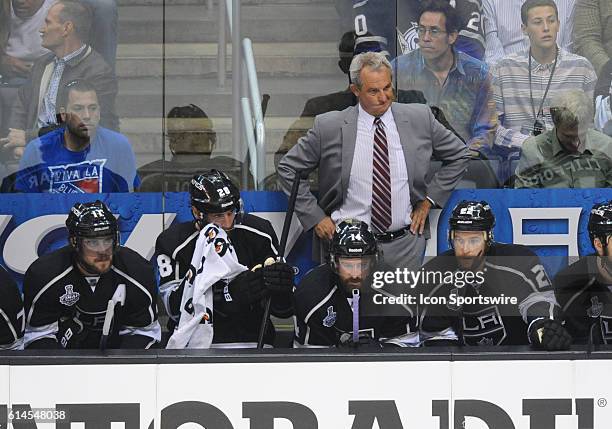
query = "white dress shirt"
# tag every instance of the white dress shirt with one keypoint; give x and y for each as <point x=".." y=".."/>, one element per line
<point x="358" y="202"/>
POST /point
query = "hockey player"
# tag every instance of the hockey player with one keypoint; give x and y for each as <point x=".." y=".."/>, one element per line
<point x="11" y="313"/>
<point x="391" y="21"/>
<point x="335" y="302"/>
<point x="488" y="293"/>
<point x="584" y="289"/>
<point x="238" y="306"/>
<point x="67" y="292"/>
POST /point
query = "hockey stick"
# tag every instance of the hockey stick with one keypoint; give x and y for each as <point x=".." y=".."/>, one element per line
<point x="281" y="251"/>
<point x="117" y="299"/>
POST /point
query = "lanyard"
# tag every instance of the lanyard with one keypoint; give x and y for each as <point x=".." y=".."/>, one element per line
<point x="535" y="117"/>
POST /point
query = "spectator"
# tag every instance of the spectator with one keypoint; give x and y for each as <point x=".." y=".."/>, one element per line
<point x="65" y="31"/>
<point x="104" y="29"/>
<point x="81" y="156"/>
<point x="20" y="45"/>
<point x="570" y="155"/>
<point x="502" y="26"/>
<point x="470" y="38"/>
<point x="453" y="81"/>
<point x="593" y="34"/>
<point x="372" y="162"/>
<point x="326" y="103"/>
<point x="192" y="139"/>
<point x="23" y="44"/>
<point x="526" y="81"/>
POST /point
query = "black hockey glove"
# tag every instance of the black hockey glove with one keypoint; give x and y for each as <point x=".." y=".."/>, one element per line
<point x="246" y="289"/>
<point x="549" y="334"/>
<point x="70" y="333"/>
<point x="278" y="278"/>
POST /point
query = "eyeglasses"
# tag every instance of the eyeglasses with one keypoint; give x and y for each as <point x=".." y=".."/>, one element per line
<point x="433" y="31"/>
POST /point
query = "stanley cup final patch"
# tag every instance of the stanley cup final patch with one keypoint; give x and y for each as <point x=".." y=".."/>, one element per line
<point x="70" y="297"/>
<point x="596" y="308"/>
<point x="330" y="319"/>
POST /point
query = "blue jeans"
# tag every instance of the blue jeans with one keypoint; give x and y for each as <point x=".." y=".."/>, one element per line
<point x="104" y="32"/>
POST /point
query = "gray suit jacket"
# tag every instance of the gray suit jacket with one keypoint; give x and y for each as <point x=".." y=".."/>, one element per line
<point x="330" y="146"/>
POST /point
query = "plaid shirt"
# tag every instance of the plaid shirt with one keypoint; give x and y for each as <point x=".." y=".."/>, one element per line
<point x="544" y="163"/>
<point x="593" y="31"/>
<point x="511" y="91"/>
<point x="47" y="112"/>
<point x="466" y="97"/>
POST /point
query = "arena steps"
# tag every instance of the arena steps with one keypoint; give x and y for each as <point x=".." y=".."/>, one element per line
<point x="135" y="60"/>
<point x="295" y="46"/>
<point x="196" y="23"/>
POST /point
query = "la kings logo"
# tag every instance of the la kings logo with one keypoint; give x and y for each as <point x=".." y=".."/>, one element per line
<point x="70" y="297"/>
<point x="484" y="327"/>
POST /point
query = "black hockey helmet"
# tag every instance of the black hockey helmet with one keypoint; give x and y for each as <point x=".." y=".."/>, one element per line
<point x="352" y="239"/>
<point x="91" y="220"/>
<point x="93" y="228"/>
<point x="600" y="221"/>
<point x="213" y="192"/>
<point x="472" y="216"/>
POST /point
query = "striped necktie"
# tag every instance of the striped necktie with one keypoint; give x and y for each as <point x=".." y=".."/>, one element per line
<point x="381" y="182"/>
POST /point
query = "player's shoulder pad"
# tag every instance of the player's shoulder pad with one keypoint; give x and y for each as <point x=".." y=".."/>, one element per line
<point x="9" y="291"/>
<point x="251" y="224"/>
<point x="135" y="266"/>
<point x="576" y="275"/>
<point x="515" y="256"/>
<point x="50" y="265"/>
<point x="170" y="238"/>
<point x="258" y="223"/>
<point x="507" y="249"/>
<point x="314" y="287"/>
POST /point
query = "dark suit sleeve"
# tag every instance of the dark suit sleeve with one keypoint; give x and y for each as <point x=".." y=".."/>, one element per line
<point x="454" y="156"/>
<point x="304" y="156"/>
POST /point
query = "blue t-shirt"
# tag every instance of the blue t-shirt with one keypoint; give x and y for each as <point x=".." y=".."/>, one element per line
<point x="106" y="165"/>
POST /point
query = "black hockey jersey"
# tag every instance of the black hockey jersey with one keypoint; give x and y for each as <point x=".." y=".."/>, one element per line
<point x="254" y="240"/>
<point x="391" y="21"/>
<point x="324" y="316"/>
<point x="55" y="290"/>
<point x="11" y="313"/>
<point x="500" y="303"/>
<point x="585" y="300"/>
